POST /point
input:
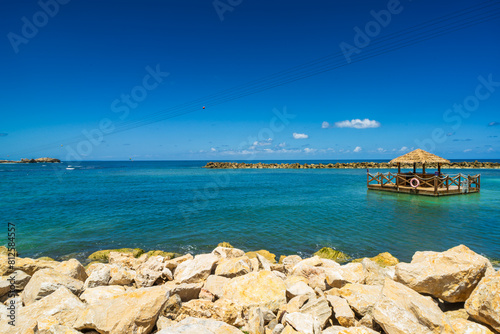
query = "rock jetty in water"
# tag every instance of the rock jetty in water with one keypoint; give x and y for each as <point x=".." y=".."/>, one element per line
<point x="31" y="161"/>
<point x="247" y="165"/>
<point x="233" y="292"/>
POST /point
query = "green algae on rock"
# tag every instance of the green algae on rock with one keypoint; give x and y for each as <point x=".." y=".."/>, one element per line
<point x="103" y="255"/>
<point x="169" y="255"/>
<point x="225" y="244"/>
<point x="332" y="254"/>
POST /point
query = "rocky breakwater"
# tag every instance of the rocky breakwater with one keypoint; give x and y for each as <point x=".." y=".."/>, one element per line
<point x="232" y="292"/>
<point x="385" y="165"/>
<point x="31" y="161"/>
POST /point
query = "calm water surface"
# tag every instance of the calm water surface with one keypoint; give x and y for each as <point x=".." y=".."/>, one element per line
<point x="179" y="206"/>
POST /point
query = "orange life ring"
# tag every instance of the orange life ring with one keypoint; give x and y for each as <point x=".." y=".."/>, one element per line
<point x="414" y="184"/>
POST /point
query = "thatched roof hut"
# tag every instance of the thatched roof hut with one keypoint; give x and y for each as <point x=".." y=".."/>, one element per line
<point x="419" y="156"/>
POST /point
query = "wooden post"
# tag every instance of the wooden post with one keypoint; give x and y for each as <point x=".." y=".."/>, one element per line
<point x="398" y="176"/>
<point x="435" y="185"/>
<point x="447" y="183"/>
<point x="439" y="168"/>
<point x="459" y="182"/>
<point x="414" y="168"/>
<point x="423" y="169"/>
<point x="478" y="186"/>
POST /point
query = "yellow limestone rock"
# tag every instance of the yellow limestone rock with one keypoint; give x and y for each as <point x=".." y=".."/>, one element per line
<point x="196" y="270"/>
<point x="483" y="304"/>
<point x="455" y="325"/>
<point x="46" y="281"/>
<point x="103" y="255"/>
<point x="268" y="255"/>
<point x="383" y="259"/>
<point x="361" y="297"/>
<point x="257" y="289"/>
<point x="451" y="275"/>
<point x="62" y="307"/>
<point x="29" y="266"/>
<point x="232" y="267"/>
<point x="135" y="311"/>
<point x="400" y="309"/>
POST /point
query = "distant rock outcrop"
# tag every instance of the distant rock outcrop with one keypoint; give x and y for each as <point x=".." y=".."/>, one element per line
<point x="247" y="165"/>
<point x="31" y="161"/>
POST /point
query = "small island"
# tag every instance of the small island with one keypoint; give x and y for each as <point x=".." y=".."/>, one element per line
<point x="31" y="161"/>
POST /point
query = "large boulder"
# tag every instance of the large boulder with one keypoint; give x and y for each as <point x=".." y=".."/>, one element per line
<point x="135" y="311"/>
<point x="451" y="275"/>
<point x="150" y="271"/>
<point x="303" y="323"/>
<point x="361" y="297"/>
<point x="319" y="309"/>
<point x="400" y="309"/>
<point x="121" y="276"/>
<point x="222" y="310"/>
<point x="257" y="289"/>
<point x="196" y="270"/>
<point x="227" y="252"/>
<point x="343" y="313"/>
<point x="234" y="266"/>
<point x="29" y="266"/>
<point x="127" y="260"/>
<point x="186" y="291"/>
<point x="72" y="268"/>
<point x="103" y="255"/>
<point x="62" y="305"/>
<point x="383" y="259"/>
<point x="215" y="285"/>
<point x="454" y="326"/>
<point x="268" y="255"/>
<point x="97" y="294"/>
<point x="98" y="274"/>
<point x="46" y="281"/>
<point x="483" y="304"/>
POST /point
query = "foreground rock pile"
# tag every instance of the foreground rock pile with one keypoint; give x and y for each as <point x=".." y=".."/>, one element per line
<point x="245" y="165"/>
<point x="229" y="291"/>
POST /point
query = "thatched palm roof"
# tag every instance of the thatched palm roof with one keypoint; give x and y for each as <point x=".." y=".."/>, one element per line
<point x="419" y="156"/>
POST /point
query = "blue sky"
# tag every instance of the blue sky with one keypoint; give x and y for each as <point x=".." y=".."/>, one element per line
<point x="81" y="79"/>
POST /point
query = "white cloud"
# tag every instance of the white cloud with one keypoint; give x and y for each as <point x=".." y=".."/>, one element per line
<point x="300" y="136"/>
<point x="263" y="142"/>
<point x="381" y="150"/>
<point x="357" y="124"/>
<point x="467" y="150"/>
<point x="403" y="149"/>
<point x="310" y="150"/>
<point x="283" y="144"/>
<point x="325" y="125"/>
<point x="213" y="150"/>
<point x="357" y="149"/>
<point x="490" y="149"/>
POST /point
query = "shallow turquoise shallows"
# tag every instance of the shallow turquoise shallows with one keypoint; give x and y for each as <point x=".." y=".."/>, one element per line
<point x="181" y="207"/>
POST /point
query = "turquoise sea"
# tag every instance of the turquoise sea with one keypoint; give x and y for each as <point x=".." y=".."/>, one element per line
<point x="179" y="206"/>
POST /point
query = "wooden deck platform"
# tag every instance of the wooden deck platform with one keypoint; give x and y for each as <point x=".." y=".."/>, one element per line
<point x="429" y="185"/>
<point x="425" y="191"/>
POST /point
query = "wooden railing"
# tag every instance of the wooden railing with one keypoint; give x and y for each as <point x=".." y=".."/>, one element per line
<point x="464" y="183"/>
